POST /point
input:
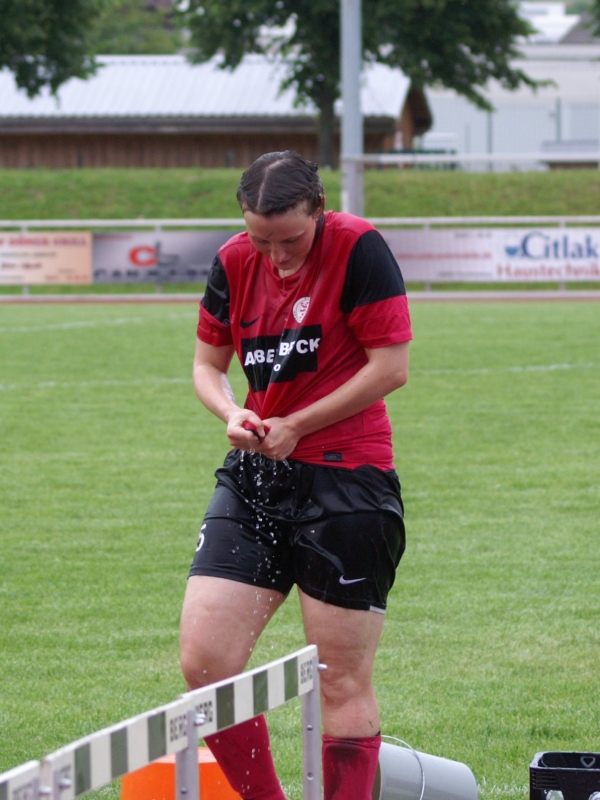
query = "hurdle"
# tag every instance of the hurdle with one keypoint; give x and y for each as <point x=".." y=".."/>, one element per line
<point x="99" y="758"/>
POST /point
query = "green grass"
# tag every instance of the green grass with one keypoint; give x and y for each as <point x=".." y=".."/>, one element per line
<point x="490" y="649"/>
<point x="175" y="193"/>
<point x="409" y="193"/>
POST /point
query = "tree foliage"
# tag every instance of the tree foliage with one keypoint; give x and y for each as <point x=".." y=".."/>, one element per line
<point x="237" y="27"/>
<point x="134" y="27"/>
<point x="460" y="44"/>
<point x="579" y="6"/>
<point x="594" y="9"/>
<point x="46" y="42"/>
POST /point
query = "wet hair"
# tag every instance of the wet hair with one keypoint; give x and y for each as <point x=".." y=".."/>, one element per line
<point x="277" y="182"/>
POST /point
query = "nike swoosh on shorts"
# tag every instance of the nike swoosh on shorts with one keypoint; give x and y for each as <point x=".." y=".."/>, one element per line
<point x="345" y="582"/>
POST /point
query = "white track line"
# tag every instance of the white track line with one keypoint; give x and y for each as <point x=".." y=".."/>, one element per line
<point x="188" y="381"/>
<point x="6" y="387"/>
<point x="487" y="371"/>
<point x="63" y="326"/>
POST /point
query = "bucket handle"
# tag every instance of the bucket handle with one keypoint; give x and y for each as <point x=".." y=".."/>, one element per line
<point x="416" y="755"/>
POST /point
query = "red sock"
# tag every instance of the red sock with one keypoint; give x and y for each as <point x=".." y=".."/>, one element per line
<point x="349" y="767"/>
<point x="244" y="754"/>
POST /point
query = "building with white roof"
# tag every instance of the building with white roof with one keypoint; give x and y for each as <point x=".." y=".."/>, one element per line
<point x="563" y="116"/>
<point x="550" y="20"/>
<point x="162" y="111"/>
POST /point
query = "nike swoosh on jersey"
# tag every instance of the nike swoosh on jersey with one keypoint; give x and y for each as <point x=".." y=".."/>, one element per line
<point x="345" y="581"/>
<point x="247" y="323"/>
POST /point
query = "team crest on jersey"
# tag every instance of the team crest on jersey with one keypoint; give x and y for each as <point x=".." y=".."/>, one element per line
<point x="300" y="309"/>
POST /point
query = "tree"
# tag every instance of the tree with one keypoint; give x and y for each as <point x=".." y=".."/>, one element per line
<point x="134" y="27"/>
<point x="460" y="44"/>
<point x="593" y="7"/>
<point x="46" y="42"/>
<point x="579" y="6"/>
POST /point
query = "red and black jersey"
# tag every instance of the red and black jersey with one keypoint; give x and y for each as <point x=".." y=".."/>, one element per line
<point x="300" y="337"/>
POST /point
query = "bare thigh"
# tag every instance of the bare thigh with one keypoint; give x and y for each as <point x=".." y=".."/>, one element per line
<point x="221" y="621"/>
<point x="346" y="640"/>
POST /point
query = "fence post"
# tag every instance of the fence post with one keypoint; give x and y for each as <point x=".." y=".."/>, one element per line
<point x="352" y="126"/>
<point x="311" y="737"/>
<point x="352" y="186"/>
<point x="158" y="231"/>
<point x="23" y="781"/>
<point x="186" y="762"/>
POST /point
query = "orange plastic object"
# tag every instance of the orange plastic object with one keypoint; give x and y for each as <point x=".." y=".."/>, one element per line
<point x="157" y="780"/>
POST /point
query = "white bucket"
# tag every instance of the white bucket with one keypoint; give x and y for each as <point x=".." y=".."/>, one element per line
<point x="405" y="774"/>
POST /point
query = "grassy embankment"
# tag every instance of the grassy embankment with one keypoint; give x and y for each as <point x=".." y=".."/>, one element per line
<point x="177" y="193"/>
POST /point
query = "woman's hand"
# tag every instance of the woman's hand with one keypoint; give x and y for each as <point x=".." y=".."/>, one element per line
<point x="280" y="440"/>
<point x="275" y="438"/>
<point x="245" y="430"/>
<point x="386" y="370"/>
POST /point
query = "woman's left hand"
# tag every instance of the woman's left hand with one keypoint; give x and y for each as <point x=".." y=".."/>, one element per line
<point x="281" y="440"/>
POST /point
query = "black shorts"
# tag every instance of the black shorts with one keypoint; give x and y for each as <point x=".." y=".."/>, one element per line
<point x="336" y="533"/>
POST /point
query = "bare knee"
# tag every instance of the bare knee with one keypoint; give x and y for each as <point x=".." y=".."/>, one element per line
<point x="195" y="673"/>
<point x="339" y="687"/>
<point x="202" y="664"/>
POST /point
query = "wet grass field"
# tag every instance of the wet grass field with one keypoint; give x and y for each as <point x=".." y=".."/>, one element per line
<point x="490" y="649"/>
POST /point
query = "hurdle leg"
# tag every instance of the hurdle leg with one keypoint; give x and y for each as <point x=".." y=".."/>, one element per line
<point x="311" y="737"/>
<point x="187" y="786"/>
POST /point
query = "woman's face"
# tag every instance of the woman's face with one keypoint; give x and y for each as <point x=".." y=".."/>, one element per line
<point x="286" y="238"/>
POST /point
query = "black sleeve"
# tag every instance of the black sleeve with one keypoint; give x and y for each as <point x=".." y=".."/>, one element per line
<point x="216" y="296"/>
<point x="372" y="274"/>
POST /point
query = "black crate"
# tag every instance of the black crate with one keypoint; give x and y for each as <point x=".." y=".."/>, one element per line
<point x="576" y="775"/>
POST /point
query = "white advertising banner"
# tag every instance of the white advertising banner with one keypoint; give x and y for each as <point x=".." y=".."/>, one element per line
<point x="155" y="256"/>
<point x="497" y="254"/>
<point x="34" y="258"/>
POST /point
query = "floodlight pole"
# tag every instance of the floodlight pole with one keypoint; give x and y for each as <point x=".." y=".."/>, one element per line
<point x="352" y="120"/>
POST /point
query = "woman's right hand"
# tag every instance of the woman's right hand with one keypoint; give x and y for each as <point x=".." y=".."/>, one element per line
<point x="245" y="430"/>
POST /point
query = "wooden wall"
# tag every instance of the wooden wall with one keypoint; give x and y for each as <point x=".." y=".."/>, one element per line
<point x="69" y="150"/>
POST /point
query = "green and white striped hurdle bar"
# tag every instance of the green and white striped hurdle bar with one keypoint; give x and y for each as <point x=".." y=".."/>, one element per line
<point x="101" y="757"/>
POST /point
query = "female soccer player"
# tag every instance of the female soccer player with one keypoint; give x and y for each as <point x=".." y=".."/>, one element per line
<point x="313" y="304"/>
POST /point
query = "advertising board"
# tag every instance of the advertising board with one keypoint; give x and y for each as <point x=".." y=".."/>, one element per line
<point x="155" y="257"/>
<point x="36" y="258"/>
<point x="497" y="254"/>
<point x="437" y="255"/>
